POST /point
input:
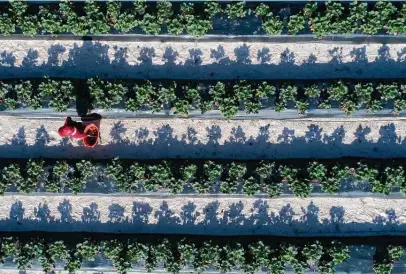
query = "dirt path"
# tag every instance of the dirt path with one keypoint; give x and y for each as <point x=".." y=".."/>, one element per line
<point x="202" y="215"/>
<point x="200" y="60"/>
<point x="193" y="138"/>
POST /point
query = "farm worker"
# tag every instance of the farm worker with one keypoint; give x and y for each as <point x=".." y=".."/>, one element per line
<point x="72" y="129"/>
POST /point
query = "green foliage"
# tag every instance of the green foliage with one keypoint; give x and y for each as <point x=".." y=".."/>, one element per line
<point x="106" y="94"/>
<point x="273" y="25"/>
<point x="338" y="91"/>
<point x="211" y="172"/>
<point x="299" y="186"/>
<point x="34" y="172"/>
<point x="212" y="8"/>
<point x="235" y="173"/>
<point x="312" y="91"/>
<point x="302" y="106"/>
<point x="337" y="174"/>
<point x="49" y="20"/>
<point x="235" y="10"/>
<point x="287" y="93"/>
<point x="26" y="96"/>
<point x="227" y="105"/>
<point x="59" y="176"/>
<point x="83" y="172"/>
<point x="11" y="175"/>
<point x="222" y="255"/>
<point x="60" y="93"/>
<point x="388" y="91"/>
<point x="92" y="17"/>
<point x="317" y="173"/>
<point x="160" y="176"/>
<point x="150" y="24"/>
<point x="364" y="91"/>
<point x="296" y="24"/>
<point x="228" y="97"/>
<point x="232" y="177"/>
<point x="384" y="258"/>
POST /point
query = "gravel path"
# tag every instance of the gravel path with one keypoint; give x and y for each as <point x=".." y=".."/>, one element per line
<point x="200" y="60"/>
<point x="202" y="215"/>
<point x="194" y="138"/>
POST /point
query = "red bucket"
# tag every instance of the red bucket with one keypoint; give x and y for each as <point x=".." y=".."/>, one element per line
<point x="92" y="136"/>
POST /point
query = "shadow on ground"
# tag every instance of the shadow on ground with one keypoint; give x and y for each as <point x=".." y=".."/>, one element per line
<point x="163" y="143"/>
<point x="261" y="220"/>
<point x="92" y="59"/>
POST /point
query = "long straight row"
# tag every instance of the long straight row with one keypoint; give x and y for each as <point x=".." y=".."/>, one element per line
<point x="184" y="96"/>
<point x="176" y="253"/>
<point x="197" y="18"/>
<point x="179" y="176"/>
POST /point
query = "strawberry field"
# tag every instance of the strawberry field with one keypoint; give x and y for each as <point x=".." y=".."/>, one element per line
<point x="205" y="137"/>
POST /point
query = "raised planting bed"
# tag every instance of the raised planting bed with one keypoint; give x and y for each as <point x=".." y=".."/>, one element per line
<point x="53" y="251"/>
<point x="182" y="97"/>
<point x="173" y="254"/>
<point x="273" y="178"/>
<point x="201" y="18"/>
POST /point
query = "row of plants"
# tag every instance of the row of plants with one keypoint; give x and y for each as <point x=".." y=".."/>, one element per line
<point x="229" y="177"/>
<point x="197" y="19"/>
<point x="175" y="255"/>
<point x="182" y="97"/>
<point x="385" y="257"/>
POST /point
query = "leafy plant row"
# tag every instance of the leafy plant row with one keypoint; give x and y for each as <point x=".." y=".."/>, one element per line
<point x="229" y="97"/>
<point x="203" y="177"/>
<point x="175" y="255"/>
<point x="197" y="18"/>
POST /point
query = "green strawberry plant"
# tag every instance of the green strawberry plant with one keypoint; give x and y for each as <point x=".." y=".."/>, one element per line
<point x="161" y="96"/>
<point x="317" y="172"/>
<point x="296" y="24"/>
<point x="95" y="18"/>
<point x="84" y="171"/>
<point x="287" y="93"/>
<point x="312" y="91"/>
<point x="34" y="173"/>
<point x="150" y="24"/>
<point x="338" y="91"/>
<point x="212" y="8"/>
<point x="49" y="21"/>
<point x="349" y="106"/>
<point x="299" y="186"/>
<point x="106" y="94"/>
<point x="142" y="95"/>
<point x="159" y="177"/>
<point x="7" y="24"/>
<point x="302" y="106"/>
<point x="399" y="105"/>
<point x="368" y="174"/>
<point x="211" y="173"/>
<point x="364" y="92"/>
<point x="11" y="175"/>
<point x="251" y="186"/>
<point x="60" y="172"/>
<point x="235" y="173"/>
<point x="59" y="93"/>
<point x="388" y="91"/>
<point x="236" y="10"/>
<point x="26" y="96"/>
<point x="115" y="172"/>
<point x="273" y="25"/>
<point x="336" y="175"/>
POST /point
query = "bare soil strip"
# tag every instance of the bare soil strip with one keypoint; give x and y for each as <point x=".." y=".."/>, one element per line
<point x="200" y="59"/>
<point x="194" y="138"/>
<point x="212" y="216"/>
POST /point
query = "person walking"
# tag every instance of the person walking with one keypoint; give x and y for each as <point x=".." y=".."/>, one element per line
<point x="72" y="129"/>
